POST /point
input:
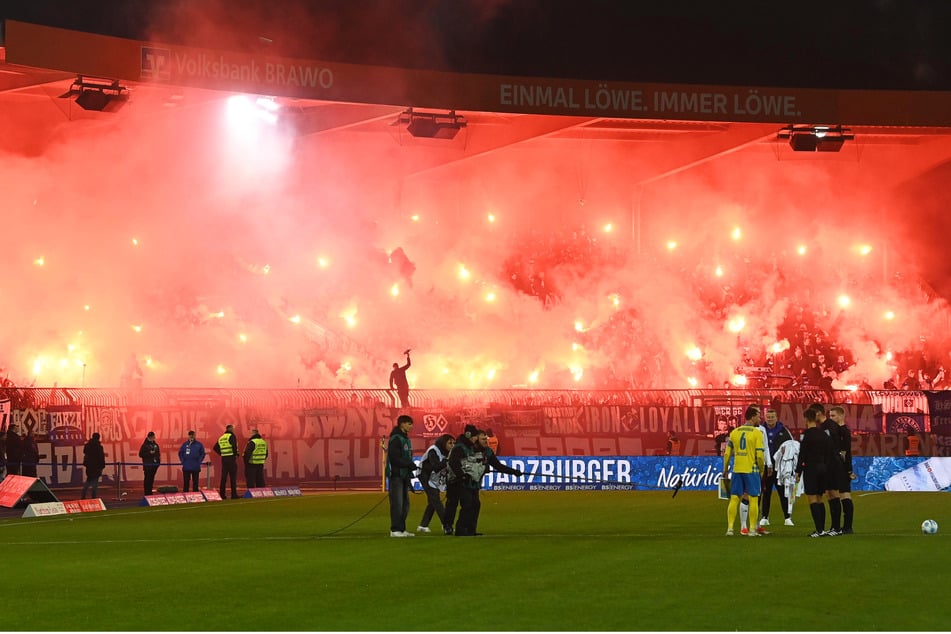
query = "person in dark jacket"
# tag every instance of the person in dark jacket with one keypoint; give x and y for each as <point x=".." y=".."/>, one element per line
<point x="837" y="414"/>
<point x="191" y="454"/>
<point x="255" y="455"/>
<point x="776" y="435"/>
<point x="29" y="455"/>
<point x="14" y="451"/>
<point x="151" y="457"/>
<point x="815" y="452"/>
<point x="469" y="461"/>
<point x="227" y="448"/>
<point x="94" y="461"/>
<point x="399" y="474"/>
<point x="432" y="476"/>
<point x="454" y="488"/>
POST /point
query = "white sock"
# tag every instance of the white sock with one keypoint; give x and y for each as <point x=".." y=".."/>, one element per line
<point x="744" y="513"/>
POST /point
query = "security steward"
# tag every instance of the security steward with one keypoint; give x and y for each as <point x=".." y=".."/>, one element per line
<point x="255" y="455"/>
<point x="227" y="448"/>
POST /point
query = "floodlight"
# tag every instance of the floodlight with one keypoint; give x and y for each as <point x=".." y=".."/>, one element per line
<point x="816" y="138"/>
<point x="432" y="125"/>
<point x="96" y="93"/>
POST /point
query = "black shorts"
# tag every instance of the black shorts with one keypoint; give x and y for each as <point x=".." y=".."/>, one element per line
<point x="836" y="474"/>
<point x="845" y="482"/>
<point x="814" y="479"/>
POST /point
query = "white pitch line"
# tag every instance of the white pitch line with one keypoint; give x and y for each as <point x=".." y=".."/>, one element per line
<point x="385" y="536"/>
<point x="185" y="540"/>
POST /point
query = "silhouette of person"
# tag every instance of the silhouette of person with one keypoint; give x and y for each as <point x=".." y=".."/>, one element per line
<point x="399" y="383"/>
<point x="94" y="460"/>
<point x="131" y="378"/>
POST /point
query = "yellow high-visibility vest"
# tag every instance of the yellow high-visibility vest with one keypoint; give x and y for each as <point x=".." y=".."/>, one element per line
<point x="224" y="443"/>
<point x="260" y="451"/>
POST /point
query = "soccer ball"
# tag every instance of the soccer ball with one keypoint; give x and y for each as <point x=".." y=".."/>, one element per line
<point x="929" y="527"/>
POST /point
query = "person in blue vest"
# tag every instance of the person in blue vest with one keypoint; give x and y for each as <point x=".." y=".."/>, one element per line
<point x="151" y="457"/>
<point x="227" y="448"/>
<point x="191" y="454"/>
<point x="255" y="455"/>
<point x="399" y="474"/>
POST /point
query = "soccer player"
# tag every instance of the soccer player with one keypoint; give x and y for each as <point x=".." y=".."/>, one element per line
<point x="745" y="447"/>
<point x="837" y="414"/>
<point x="815" y="450"/>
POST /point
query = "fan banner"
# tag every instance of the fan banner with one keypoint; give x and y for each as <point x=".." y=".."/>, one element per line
<point x="939" y="405"/>
<point x="4" y="414"/>
<point x="904" y="423"/>
<point x="340" y="444"/>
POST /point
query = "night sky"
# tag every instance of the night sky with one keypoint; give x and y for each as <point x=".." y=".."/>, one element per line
<point x="844" y="44"/>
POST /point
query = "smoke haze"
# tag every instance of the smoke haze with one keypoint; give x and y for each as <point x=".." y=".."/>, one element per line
<point x="228" y="251"/>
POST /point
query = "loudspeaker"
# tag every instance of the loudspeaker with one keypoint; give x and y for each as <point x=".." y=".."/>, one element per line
<point x="803" y="141"/>
<point x="93" y="100"/>
<point x="830" y="144"/>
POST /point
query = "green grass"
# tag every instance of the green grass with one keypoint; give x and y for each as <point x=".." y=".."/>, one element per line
<point x="548" y="561"/>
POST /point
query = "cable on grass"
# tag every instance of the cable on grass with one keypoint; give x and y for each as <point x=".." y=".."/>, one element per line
<point x="372" y="508"/>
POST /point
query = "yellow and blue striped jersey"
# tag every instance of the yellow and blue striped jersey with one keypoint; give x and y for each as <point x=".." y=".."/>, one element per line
<point x="746" y="448"/>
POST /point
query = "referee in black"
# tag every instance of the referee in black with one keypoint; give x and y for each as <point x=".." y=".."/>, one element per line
<point x="836" y="470"/>
<point x="815" y="452"/>
<point x="837" y="414"/>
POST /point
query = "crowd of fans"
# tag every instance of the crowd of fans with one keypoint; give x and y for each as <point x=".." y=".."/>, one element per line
<point x="628" y="351"/>
<point x="808" y="352"/>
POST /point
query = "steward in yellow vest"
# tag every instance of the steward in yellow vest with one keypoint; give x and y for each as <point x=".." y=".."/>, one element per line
<point x="255" y="455"/>
<point x="227" y="448"/>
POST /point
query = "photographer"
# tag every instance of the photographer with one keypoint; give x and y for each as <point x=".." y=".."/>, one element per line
<point x="468" y="463"/>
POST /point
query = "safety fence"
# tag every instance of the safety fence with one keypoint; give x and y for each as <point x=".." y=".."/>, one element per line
<point x="33" y="397"/>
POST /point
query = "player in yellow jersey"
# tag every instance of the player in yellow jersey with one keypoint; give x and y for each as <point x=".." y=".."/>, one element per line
<point x="745" y="447"/>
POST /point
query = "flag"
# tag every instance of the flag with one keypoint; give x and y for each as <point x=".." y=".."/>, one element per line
<point x="4" y="414"/>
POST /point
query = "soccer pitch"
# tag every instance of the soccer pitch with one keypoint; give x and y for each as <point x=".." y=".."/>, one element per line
<point x="548" y="561"/>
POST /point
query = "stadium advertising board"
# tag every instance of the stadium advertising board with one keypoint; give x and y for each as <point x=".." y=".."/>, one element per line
<point x="623" y="473"/>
